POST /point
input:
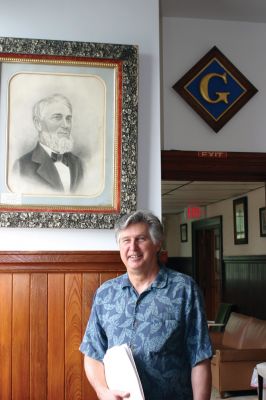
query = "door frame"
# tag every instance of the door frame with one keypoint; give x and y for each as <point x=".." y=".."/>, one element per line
<point x="208" y="223"/>
<point x="213" y="223"/>
<point x="182" y="165"/>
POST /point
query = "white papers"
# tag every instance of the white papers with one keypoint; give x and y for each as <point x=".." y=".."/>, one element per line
<point x="121" y="372"/>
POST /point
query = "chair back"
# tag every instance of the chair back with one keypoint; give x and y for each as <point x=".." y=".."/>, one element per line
<point x="222" y="317"/>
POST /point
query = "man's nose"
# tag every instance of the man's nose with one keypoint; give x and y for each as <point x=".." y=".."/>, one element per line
<point x="65" y="122"/>
<point x="133" y="244"/>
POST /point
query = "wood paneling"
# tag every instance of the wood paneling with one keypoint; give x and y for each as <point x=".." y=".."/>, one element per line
<point x="245" y="284"/>
<point x="181" y="264"/>
<point x="38" y="336"/>
<point x="55" y="335"/>
<point x="20" y="326"/>
<point x="90" y="282"/>
<point x="73" y="335"/>
<point x="214" y="166"/>
<point x="45" y="302"/>
<point x="5" y="335"/>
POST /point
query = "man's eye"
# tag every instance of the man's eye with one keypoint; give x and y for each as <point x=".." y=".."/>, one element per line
<point x="57" y="117"/>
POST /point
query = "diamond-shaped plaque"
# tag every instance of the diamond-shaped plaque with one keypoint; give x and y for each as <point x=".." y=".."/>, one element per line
<point x="215" y="89"/>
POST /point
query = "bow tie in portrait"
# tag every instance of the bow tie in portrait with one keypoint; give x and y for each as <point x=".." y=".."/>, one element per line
<point x="64" y="158"/>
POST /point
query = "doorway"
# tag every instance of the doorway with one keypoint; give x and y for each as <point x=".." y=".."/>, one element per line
<point x="207" y="261"/>
<point x="217" y="167"/>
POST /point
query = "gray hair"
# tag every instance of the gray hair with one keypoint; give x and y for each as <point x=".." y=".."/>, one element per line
<point x="154" y="224"/>
<point x="40" y="105"/>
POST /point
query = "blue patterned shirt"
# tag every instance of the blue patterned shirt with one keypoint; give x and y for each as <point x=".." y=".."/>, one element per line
<point x="165" y="327"/>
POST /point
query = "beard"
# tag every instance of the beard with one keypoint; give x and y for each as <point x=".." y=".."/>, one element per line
<point x="56" y="143"/>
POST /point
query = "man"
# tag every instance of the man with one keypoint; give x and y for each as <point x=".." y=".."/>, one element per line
<point x="158" y="312"/>
<point x="50" y="166"/>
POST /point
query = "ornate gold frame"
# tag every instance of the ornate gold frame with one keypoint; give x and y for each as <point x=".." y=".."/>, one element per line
<point x="117" y="67"/>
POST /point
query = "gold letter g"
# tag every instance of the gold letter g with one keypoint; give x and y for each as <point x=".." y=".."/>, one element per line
<point x="204" y="86"/>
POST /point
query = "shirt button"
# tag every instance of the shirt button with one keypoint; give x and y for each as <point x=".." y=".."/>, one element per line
<point x="133" y="348"/>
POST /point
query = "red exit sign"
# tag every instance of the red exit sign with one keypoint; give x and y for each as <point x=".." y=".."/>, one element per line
<point x="212" y="154"/>
<point x="195" y="212"/>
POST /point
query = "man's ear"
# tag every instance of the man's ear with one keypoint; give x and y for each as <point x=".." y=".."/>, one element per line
<point x="37" y="124"/>
<point x="159" y="246"/>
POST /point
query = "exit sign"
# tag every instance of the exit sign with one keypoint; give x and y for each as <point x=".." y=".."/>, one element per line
<point x="212" y="154"/>
<point x="195" y="213"/>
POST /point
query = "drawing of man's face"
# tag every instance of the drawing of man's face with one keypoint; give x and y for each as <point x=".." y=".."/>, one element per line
<point x="54" y="125"/>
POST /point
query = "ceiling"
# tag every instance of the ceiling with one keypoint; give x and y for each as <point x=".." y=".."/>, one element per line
<point x="231" y="10"/>
<point x="178" y="195"/>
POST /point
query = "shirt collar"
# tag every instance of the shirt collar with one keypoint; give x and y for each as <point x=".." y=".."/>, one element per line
<point x="160" y="281"/>
<point x="46" y="148"/>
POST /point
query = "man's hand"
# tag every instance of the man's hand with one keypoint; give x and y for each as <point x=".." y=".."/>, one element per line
<point x="120" y="395"/>
<point x="113" y="395"/>
<point x="95" y="373"/>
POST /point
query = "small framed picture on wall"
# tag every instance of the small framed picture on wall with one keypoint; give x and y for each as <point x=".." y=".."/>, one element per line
<point x="262" y="213"/>
<point x="240" y="210"/>
<point x="183" y="233"/>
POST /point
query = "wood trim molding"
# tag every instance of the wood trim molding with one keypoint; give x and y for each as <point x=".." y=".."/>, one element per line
<point x="213" y="166"/>
<point x="256" y="259"/>
<point x="60" y="261"/>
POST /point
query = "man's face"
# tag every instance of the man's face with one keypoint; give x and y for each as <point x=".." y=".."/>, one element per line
<point x="55" y="126"/>
<point x="137" y="250"/>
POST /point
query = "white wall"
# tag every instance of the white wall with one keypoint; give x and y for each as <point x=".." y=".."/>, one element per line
<point x="173" y="244"/>
<point x="185" y="41"/>
<point x="116" y="21"/>
<point x="256" y="244"/>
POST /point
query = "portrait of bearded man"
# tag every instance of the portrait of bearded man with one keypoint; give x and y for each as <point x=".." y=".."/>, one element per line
<point x="51" y="165"/>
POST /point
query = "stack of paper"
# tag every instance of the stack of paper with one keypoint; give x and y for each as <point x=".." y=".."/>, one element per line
<point x="121" y="372"/>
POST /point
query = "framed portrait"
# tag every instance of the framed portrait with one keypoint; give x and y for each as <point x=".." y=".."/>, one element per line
<point x="68" y="131"/>
<point x="183" y="233"/>
<point x="240" y="211"/>
<point x="262" y="215"/>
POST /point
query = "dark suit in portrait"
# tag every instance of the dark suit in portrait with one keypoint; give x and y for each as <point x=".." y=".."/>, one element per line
<point x="38" y="168"/>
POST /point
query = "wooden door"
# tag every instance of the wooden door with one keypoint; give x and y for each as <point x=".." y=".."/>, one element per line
<point x="207" y="264"/>
<point x="204" y="267"/>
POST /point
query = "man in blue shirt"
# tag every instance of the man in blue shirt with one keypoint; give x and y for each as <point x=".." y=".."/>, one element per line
<point x="158" y="312"/>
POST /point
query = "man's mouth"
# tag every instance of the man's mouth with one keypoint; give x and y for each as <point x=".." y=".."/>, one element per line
<point x="64" y="133"/>
<point x="135" y="256"/>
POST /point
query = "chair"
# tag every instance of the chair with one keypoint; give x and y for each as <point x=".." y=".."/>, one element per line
<point x="221" y="318"/>
<point x="261" y="368"/>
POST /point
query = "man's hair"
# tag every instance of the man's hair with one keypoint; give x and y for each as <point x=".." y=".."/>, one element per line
<point x="40" y="105"/>
<point x="154" y="224"/>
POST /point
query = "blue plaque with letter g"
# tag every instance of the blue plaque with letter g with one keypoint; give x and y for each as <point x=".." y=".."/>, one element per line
<point x="215" y="89"/>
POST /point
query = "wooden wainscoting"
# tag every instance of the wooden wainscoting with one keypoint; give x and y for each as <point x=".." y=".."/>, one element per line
<point x="245" y="284"/>
<point x="45" y="301"/>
